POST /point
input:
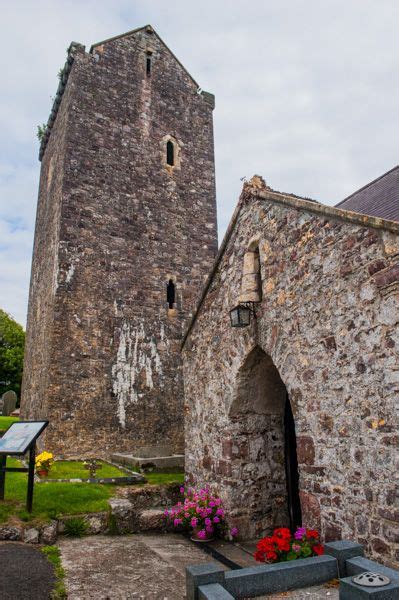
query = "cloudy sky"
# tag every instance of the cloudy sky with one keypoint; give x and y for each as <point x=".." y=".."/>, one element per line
<point x="307" y="95"/>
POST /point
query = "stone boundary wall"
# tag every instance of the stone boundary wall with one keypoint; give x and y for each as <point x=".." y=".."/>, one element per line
<point x="135" y="510"/>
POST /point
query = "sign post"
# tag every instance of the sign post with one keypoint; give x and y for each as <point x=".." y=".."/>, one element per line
<point x="17" y="440"/>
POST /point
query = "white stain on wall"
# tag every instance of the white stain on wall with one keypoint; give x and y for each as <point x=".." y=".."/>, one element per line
<point x="136" y="354"/>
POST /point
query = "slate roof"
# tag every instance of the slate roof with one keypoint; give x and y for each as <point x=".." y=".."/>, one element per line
<point x="379" y="198"/>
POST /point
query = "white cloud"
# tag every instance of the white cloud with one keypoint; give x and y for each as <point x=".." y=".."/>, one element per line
<point x="305" y="95"/>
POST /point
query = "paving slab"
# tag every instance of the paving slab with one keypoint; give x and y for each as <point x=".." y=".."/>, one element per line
<point x="145" y="567"/>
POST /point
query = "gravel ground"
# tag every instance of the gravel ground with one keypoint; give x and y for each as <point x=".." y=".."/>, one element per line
<point x="25" y="573"/>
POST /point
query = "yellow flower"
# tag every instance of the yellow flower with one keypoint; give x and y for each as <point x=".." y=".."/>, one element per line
<point x="44" y="461"/>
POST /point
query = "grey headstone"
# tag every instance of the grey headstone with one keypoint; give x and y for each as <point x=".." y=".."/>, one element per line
<point x="280" y="577"/>
<point x="9" y="402"/>
<point x="213" y="591"/>
<point x="350" y="591"/>
<point x="202" y="575"/>
<point x="359" y="564"/>
<point x="342" y="550"/>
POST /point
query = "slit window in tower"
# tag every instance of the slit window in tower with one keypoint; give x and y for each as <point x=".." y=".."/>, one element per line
<point x="148" y="63"/>
<point x="170" y="153"/>
<point x="170" y="293"/>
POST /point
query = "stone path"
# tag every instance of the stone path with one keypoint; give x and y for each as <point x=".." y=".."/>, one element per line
<point x="147" y="567"/>
<point x="142" y="567"/>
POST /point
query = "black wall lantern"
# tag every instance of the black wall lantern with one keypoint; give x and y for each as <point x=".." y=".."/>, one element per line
<point x="240" y="315"/>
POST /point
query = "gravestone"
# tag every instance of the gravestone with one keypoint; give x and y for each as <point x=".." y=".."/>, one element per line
<point x="9" y="403"/>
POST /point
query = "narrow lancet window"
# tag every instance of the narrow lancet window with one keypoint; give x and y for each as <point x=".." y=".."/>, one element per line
<point x="170" y="293"/>
<point x="170" y="153"/>
<point x="148" y="63"/>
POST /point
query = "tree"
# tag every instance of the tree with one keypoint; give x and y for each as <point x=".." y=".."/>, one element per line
<point x="12" y="341"/>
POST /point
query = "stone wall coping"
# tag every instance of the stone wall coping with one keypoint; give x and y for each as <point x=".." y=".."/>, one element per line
<point x="250" y="193"/>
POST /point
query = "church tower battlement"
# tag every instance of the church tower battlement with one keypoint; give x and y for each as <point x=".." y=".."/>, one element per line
<point x="125" y="236"/>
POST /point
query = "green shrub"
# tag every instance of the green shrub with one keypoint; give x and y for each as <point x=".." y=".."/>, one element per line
<point x="75" y="527"/>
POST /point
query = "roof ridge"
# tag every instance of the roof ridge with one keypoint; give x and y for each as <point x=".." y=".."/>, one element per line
<point x="367" y="185"/>
<point x="147" y="27"/>
<point x="299" y="203"/>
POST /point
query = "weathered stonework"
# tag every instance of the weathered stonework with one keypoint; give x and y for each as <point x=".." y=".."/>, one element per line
<point x="327" y="326"/>
<point x="114" y="226"/>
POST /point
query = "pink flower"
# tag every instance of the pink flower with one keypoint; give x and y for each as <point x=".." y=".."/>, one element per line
<point x="220" y="512"/>
<point x="202" y="534"/>
<point x="177" y="522"/>
<point x="296" y="547"/>
<point x="166" y="513"/>
<point x="194" y="522"/>
<point x="216" y="520"/>
<point x="182" y="490"/>
<point x="209" y="529"/>
<point x="233" y="531"/>
<point x="208" y="522"/>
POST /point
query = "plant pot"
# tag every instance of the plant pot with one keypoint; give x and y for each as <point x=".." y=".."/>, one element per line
<point x="194" y="536"/>
<point x="42" y="473"/>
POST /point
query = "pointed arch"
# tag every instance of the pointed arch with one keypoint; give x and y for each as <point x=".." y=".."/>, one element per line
<point x="264" y="431"/>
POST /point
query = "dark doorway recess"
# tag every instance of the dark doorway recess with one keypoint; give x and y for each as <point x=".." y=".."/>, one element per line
<point x="291" y="468"/>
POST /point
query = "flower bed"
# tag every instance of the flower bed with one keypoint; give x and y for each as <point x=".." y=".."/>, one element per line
<point x="201" y="514"/>
<point x="283" y="546"/>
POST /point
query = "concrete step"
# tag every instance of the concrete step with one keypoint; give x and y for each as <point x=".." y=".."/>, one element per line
<point x="173" y="461"/>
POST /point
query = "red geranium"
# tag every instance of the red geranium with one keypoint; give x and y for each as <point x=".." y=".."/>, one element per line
<point x="266" y="544"/>
<point x="312" y="533"/>
<point x="282" y="532"/>
<point x="282" y="545"/>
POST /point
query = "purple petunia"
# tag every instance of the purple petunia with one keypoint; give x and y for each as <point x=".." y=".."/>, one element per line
<point x="300" y="532"/>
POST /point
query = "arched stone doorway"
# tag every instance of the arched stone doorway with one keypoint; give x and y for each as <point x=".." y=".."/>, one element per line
<point x="264" y="434"/>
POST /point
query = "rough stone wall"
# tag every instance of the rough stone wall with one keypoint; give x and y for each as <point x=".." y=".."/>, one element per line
<point x="328" y="322"/>
<point x="128" y="224"/>
<point x="44" y="272"/>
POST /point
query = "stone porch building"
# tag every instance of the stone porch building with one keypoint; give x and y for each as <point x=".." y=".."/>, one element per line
<point x="294" y="416"/>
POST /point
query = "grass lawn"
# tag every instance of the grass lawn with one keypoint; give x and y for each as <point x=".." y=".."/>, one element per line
<point x="52" y="499"/>
<point x="160" y="478"/>
<point x="71" y="469"/>
<point x="64" y="469"/>
<point x="5" y="422"/>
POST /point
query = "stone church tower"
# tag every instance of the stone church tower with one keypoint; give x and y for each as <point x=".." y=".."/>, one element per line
<point x="125" y="236"/>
